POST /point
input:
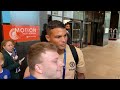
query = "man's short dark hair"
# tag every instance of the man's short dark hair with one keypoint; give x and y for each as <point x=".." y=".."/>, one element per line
<point x="67" y="23"/>
<point x="54" y="24"/>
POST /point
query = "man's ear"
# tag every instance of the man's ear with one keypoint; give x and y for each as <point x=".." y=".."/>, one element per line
<point x="47" y="37"/>
<point x="4" y="47"/>
<point x="38" y="68"/>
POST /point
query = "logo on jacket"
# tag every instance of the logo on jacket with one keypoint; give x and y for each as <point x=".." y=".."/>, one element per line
<point x="72" y="66"/>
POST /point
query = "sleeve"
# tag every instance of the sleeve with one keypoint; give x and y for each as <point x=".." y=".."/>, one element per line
<point x="10" y="66"/>
<point x="81" y="63"/>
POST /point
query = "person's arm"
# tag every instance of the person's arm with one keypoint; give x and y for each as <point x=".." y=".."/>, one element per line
<point x="9" y="65"/>
<point x="81" y="65"/>
<point x="26" y="73"/>
<point x="80" y="75"/>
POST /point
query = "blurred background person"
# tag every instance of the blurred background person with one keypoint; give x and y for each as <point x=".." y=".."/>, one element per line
<point x="42" y="38"/>
<point x="4" y="73"/>
<point x="11" y="61"/>
<point x="69" y="32"/>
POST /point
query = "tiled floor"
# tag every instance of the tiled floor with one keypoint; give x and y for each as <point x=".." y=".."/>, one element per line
<point x="103" y="62"/>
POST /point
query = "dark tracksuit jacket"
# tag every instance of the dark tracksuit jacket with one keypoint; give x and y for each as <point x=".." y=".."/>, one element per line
<point x="10" y="64"/>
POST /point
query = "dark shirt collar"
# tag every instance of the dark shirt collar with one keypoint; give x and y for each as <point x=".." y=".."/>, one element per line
<point x="30" y="77"/>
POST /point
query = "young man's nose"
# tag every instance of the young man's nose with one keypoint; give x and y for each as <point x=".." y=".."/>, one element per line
<point x="64" y="39"/>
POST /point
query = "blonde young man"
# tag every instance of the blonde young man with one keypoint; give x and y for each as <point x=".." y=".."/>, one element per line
<point x="57" y="34"/>
<point x="44" y="62"/>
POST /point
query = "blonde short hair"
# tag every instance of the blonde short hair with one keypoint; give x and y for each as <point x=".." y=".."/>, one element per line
<point x="1" y="57"/>
<point x="35" y="51"/>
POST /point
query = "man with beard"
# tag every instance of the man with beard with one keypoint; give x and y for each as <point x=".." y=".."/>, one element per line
<point x="57" y="34"/>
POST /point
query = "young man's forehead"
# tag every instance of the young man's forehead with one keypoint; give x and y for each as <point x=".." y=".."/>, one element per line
<point x="58" y="31"/>
<point x="49" y="54"/>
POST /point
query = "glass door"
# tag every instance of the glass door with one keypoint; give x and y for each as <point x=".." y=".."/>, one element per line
<point x="76" y="33"/>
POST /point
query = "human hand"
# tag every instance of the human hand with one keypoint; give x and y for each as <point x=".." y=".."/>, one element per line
<point x="16" y="57"/>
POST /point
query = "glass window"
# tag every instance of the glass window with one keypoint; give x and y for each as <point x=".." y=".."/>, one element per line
<point x="25" y="17"/>
<point x="5" y="16"/>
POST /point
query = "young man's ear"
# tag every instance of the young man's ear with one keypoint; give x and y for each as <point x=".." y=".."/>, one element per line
<point x="38" y="68"/>
<point x="47" y="37"/>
